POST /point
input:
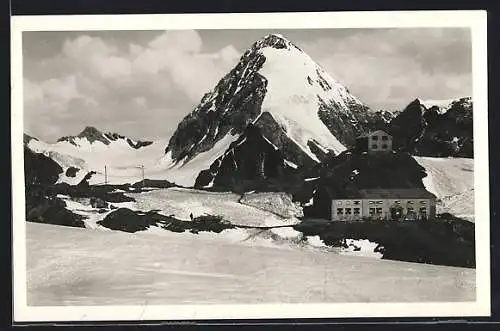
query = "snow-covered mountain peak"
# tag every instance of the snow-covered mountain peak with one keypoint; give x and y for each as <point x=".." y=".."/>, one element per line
<point x="89" y="133"/>
<point x="295" y="105"/>
<point x="274" y="40"/>
<point x="90" y="136"/>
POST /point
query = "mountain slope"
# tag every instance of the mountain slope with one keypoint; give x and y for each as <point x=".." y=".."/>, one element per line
<point x="296" y="106"/>
<point x="92" y="150"/>
<point x="452" y="181"/>
<point x="435" y="131"/>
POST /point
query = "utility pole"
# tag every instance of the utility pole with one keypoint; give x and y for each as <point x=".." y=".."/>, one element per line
<point x="105" y="175"/>
<point x="142" y="167"/>
<point x="142" y="170"/>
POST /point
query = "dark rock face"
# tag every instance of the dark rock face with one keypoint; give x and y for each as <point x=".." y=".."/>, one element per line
<point x="40" y="170"/>
<point x="72" y="171"/>
<point x="355" y="171"/>
<point x="124" y="219"/>
<point x="85" y="180"/>
<point x="427" y="132"/>
<point x="441" y="242"/>
<point x="380" y="120"/>
<point x="27" y="138"/>
<point x="102" y="192"/>
<point x="96" y="202"/>
<point x="345" y="126"/>
<point x="156" y="183"/>
<point x="50" y="210"/>
<point x="138" y="144"/>
<point x="251" y="157"/>
<point x="408" y="126"/>
<point x="235" y="105"/>
<point x="41" y="173"/>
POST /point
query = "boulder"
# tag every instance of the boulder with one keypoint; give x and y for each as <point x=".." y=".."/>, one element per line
<point x="98" y="203"/>
<point x="279" y="203"/>
<point x="71" y="172"/>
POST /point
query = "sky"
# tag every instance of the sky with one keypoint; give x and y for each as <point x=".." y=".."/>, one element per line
<point x="142" y="83"/>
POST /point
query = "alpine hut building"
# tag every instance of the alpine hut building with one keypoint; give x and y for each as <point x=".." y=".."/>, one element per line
<point x="380" y="203"/>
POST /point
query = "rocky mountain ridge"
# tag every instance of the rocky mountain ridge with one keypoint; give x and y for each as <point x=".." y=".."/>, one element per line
<point x="91" y="135"/>
<point x="275" y="87"/>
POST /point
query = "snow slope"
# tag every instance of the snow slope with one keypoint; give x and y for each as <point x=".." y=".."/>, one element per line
<point x="296" y="106"/>
<point x="185" y="174"/>
<point x="73" y="266"/>
<point x="452" y="181"/>
<point x="182" y="202"/>
<point x="121" y="160"/>
<point x="275" y="87"/>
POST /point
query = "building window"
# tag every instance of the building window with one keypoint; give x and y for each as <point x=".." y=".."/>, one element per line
<point x="384" y="146"/>
<point x="397" y="202"/>
<point x="348" y="202"/>
<point x="379" y="211"/>
<point x="356" y="202"/>
<point x="348" y="211"/>
<point x="356" y="211"/>
<point x="410" y="210"/>
<point x="410" y="202"/>
<point x="372" y="211"/>
<point x="371" y="202"/>
<point x="423" y="210"/>
<point x="374" y="137"/>
<point x="423" y="202"/>
<point x="340" y="211"/>
<point x="380" y="202"/>
<point x="339" y="203"/>
<point x="385" y="138"/>
<point x="374" y="146"/>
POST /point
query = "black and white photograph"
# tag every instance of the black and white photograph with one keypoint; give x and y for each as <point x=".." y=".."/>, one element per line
<point x="250" y="166"/>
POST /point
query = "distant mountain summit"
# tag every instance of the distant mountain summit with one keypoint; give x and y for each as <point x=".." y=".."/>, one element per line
<point x="278" y="92"/>
<point x="90" y="134"/>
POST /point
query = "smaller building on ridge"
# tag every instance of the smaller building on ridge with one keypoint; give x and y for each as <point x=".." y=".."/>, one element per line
<point x="374" y="142"/>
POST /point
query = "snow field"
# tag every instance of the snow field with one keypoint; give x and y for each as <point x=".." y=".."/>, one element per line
<point x="182" y="202"/>
<point x="73" y="266"/>
<point x="452" y="181"/>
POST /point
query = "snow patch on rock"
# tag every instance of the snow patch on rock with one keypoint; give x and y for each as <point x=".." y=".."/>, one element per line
<point x="362" y="247"/>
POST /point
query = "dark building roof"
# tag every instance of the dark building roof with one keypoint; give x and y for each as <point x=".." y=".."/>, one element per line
<point x="381" y="193"/>
<point x="366" y="135"/>
<point x="400" y="193"/>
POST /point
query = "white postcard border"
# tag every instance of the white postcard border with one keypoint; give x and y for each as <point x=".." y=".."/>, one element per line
<point x="476" y="20"/>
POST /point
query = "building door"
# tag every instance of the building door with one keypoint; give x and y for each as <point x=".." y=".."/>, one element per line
<point x="396" y="213"/>
<point x="423" y="213"/>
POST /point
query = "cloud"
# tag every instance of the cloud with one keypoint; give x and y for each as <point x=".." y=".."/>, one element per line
<point x="143" y="88"/>
<point x="95" y="81"/>
<point x="389" y="68"/>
